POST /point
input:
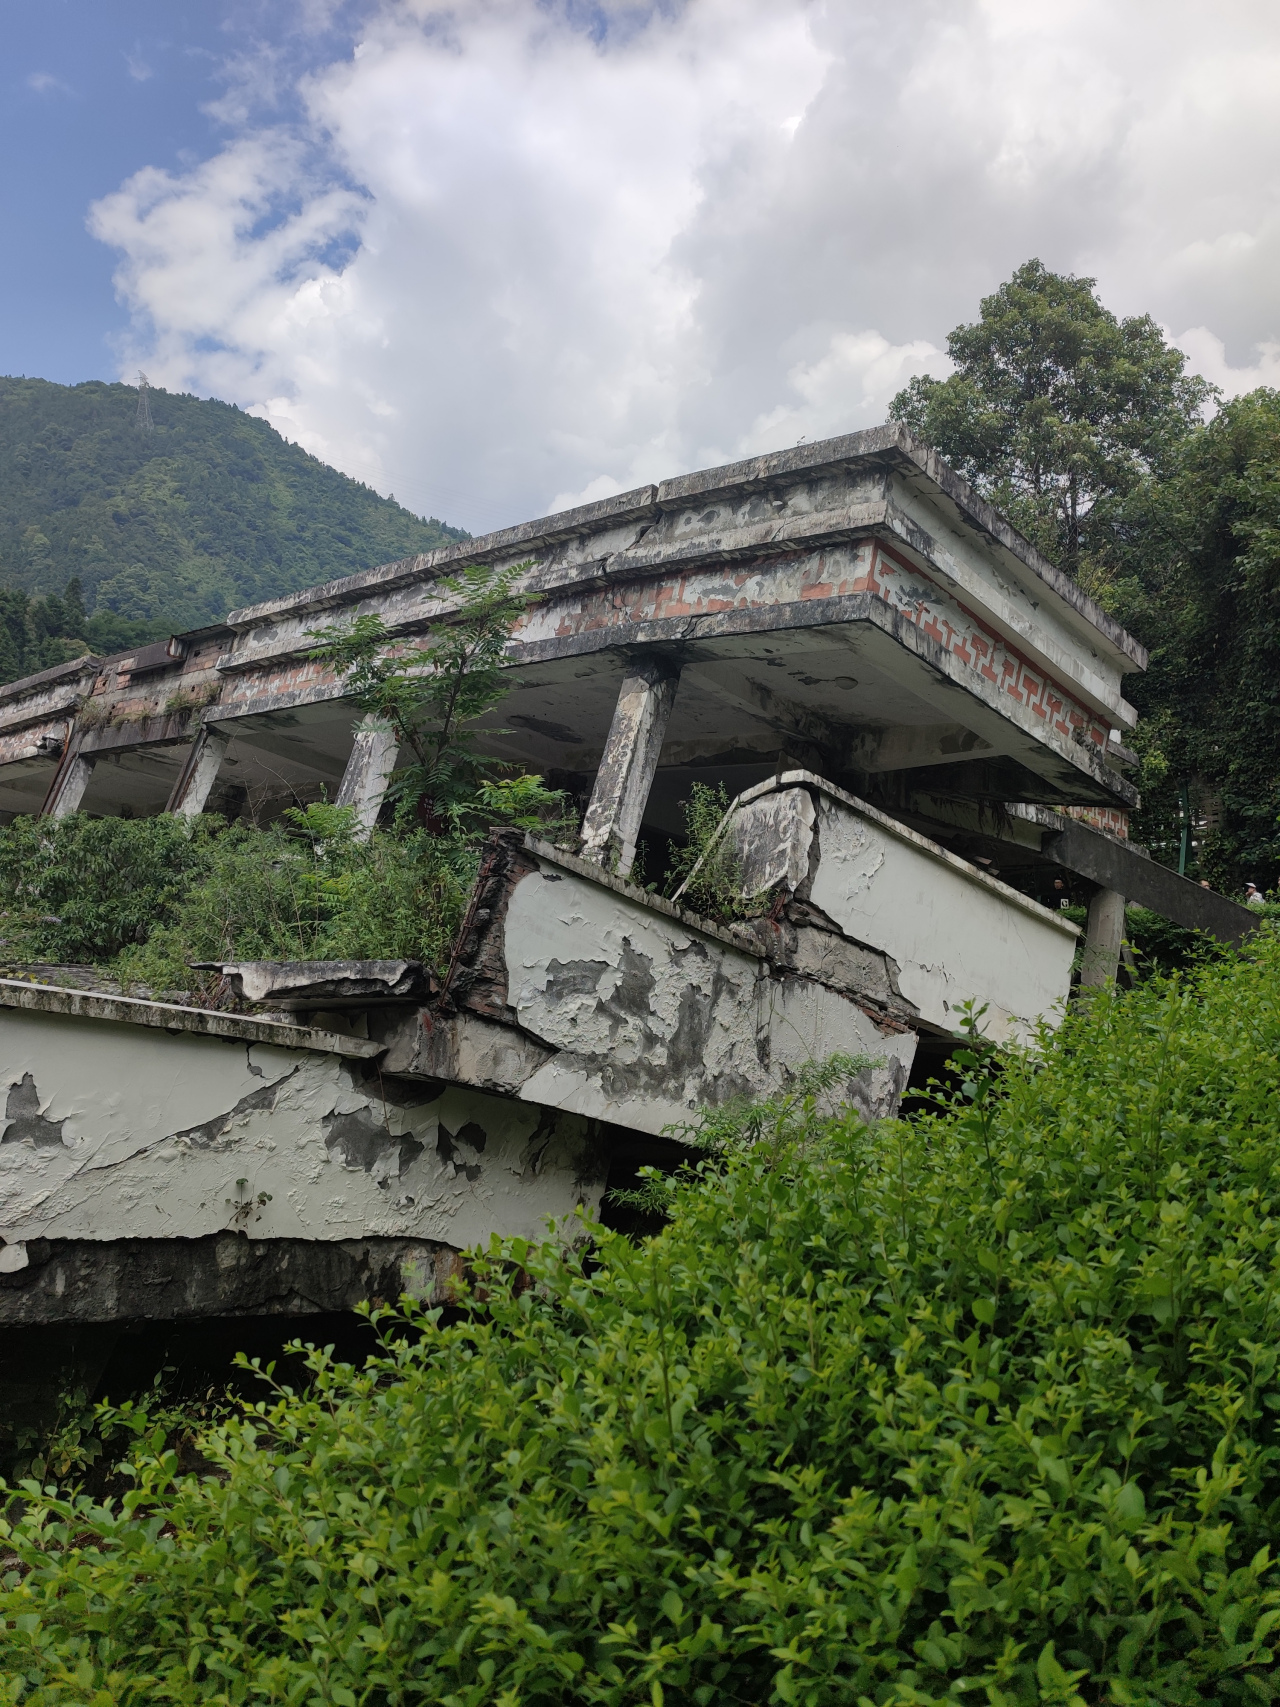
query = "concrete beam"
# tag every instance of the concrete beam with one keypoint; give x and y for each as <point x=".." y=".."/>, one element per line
<point x="914" y="744"/>
<point x="223" y="1274"/>
<point x="1142" y="880"/>
<point x="631" y="753"/>
<point x="192" y="790"/>
<point x="1104" y="935"/>
<point x="368" y="774"/>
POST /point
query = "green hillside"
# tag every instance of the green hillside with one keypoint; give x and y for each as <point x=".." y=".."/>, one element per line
<point x="110" y="536"/>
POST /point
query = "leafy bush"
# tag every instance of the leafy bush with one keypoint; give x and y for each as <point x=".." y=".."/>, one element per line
<point x="980" y="1407"/>
<point x="705" y="873"/>
<point x="146" y="896"/>
<point x="307" y="889"/>
<point x="433" y="696"/>
<point x="79" y="889"/>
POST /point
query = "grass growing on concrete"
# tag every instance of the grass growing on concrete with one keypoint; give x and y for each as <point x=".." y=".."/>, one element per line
<point x="982" y="1407"/>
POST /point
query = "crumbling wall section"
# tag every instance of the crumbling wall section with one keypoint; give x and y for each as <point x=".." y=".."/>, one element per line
<point x="112" y="1131"/>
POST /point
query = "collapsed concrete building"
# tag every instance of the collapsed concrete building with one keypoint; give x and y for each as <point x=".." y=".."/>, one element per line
<point x="921" y="723"/>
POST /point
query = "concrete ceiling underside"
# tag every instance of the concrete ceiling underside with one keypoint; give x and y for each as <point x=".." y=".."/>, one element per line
<point x="24" y="785"/>
<point x="847" y="699"/>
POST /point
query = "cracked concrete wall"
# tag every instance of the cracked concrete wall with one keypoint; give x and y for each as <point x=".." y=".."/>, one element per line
<point x="114" y="1131"/>
<point x="952" y="933"/>
<point x="651" y="1019"/>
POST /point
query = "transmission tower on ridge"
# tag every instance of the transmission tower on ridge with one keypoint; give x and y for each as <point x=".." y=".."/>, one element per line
<point x="143" y="420"/>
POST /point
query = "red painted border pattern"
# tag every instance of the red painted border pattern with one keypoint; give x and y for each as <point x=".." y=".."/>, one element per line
<point x="944" y="619"/>
<point x="1110" y="818"/>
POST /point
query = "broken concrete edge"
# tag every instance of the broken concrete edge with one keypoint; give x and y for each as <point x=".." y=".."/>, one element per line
<point x="170" y="1016"/>
<point x="321" y="983"/>
<point x="1045" y="818"/>
<point x="902" y="833"/>
<point x="220" y="1274"/>
<point x="742" y="941"/>
<point x="707" y="485"/>
<point x="85" y="665"/>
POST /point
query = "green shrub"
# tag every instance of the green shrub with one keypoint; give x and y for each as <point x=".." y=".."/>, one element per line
<point x="705" y="870"/>
<point x="78" y="889"/>
<point x="983" y="1407"/>
<point x="144" y="897"/>
<point x="306" y="889"/>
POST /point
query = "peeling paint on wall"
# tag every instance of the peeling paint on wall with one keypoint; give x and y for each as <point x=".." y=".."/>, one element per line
<point x="653" y="1020"/>
<point x="285" y="1144"/>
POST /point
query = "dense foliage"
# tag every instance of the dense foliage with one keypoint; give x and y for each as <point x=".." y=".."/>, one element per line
<point x="166" y="530"/>
<point x="1201" y="588"/>
<point x="145" y="897"/>
<point x="982" y="1407"/>
<point x="1058" y="411"/>
<point x="1086" y="430"/>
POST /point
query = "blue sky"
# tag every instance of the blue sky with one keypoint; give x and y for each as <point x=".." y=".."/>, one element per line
<point x="91" y="91"/>
<point x="500" y="256"/>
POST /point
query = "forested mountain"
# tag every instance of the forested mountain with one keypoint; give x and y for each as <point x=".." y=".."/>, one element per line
<point x="111" y="535"/>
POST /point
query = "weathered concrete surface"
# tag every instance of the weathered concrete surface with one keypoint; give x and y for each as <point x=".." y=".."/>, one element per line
<point x="225" y="1274"/>
<point x="1104" y="935"/>
<point x="616" y="809"/>
<point x="368" y="774"/>
<point x="302" y="985"/>
<point x="196" y="782"/>
<point x="1140" y="879"/>
<point x="115" y="1131"/>
<point x="578" y="992"/>
<point x="951" y="933"/>
<point x="78" y="1000"/>
<point x="853" y="596"/>
<point x="68" y="788"/>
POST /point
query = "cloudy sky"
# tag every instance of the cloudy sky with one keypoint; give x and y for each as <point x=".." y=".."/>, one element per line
<point x="504" y="255"/>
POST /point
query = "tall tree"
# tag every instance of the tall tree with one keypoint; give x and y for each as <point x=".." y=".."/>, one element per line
<point x="1202" y="590"/>
<point x="1058" y="412"/>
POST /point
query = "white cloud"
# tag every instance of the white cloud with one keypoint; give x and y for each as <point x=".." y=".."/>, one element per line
<point x="506" y="263"/>
<point x="1207" y="354"/>
<point x="45" y="83"/>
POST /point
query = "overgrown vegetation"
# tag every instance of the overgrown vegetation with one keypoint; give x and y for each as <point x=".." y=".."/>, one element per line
<point x="1089" y="433"/>
<point x="109" y="536"/>
<point x="432" y="698"/>
<point x="982" y="1406"/>
<point x="704" y="872"/>
<point x="147" y="897"/>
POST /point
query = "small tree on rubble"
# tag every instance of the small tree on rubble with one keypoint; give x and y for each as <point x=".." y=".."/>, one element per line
<point x="433" y="698"/>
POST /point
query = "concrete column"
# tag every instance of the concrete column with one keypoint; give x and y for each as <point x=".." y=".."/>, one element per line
<point x="68" y="787"/>
<point x="192" y="790"/>
<point x="1103" y="936"/>
<point x="368" y="773"/>
<point x="630" y="758"/>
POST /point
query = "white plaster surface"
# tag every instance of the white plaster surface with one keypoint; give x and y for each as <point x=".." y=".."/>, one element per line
<point x="771" y="839"/>
<point x="953" y="936"/>
<point x="654" y="1020"/>
<point x="118" y="1150"/>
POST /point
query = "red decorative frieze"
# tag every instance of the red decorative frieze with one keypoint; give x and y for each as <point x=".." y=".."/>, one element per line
<point x="1109" y="818"/>
<point x="944" y="619"/>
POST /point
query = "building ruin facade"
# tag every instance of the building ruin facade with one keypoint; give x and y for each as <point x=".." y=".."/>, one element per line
<point x="920" y="720"/>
